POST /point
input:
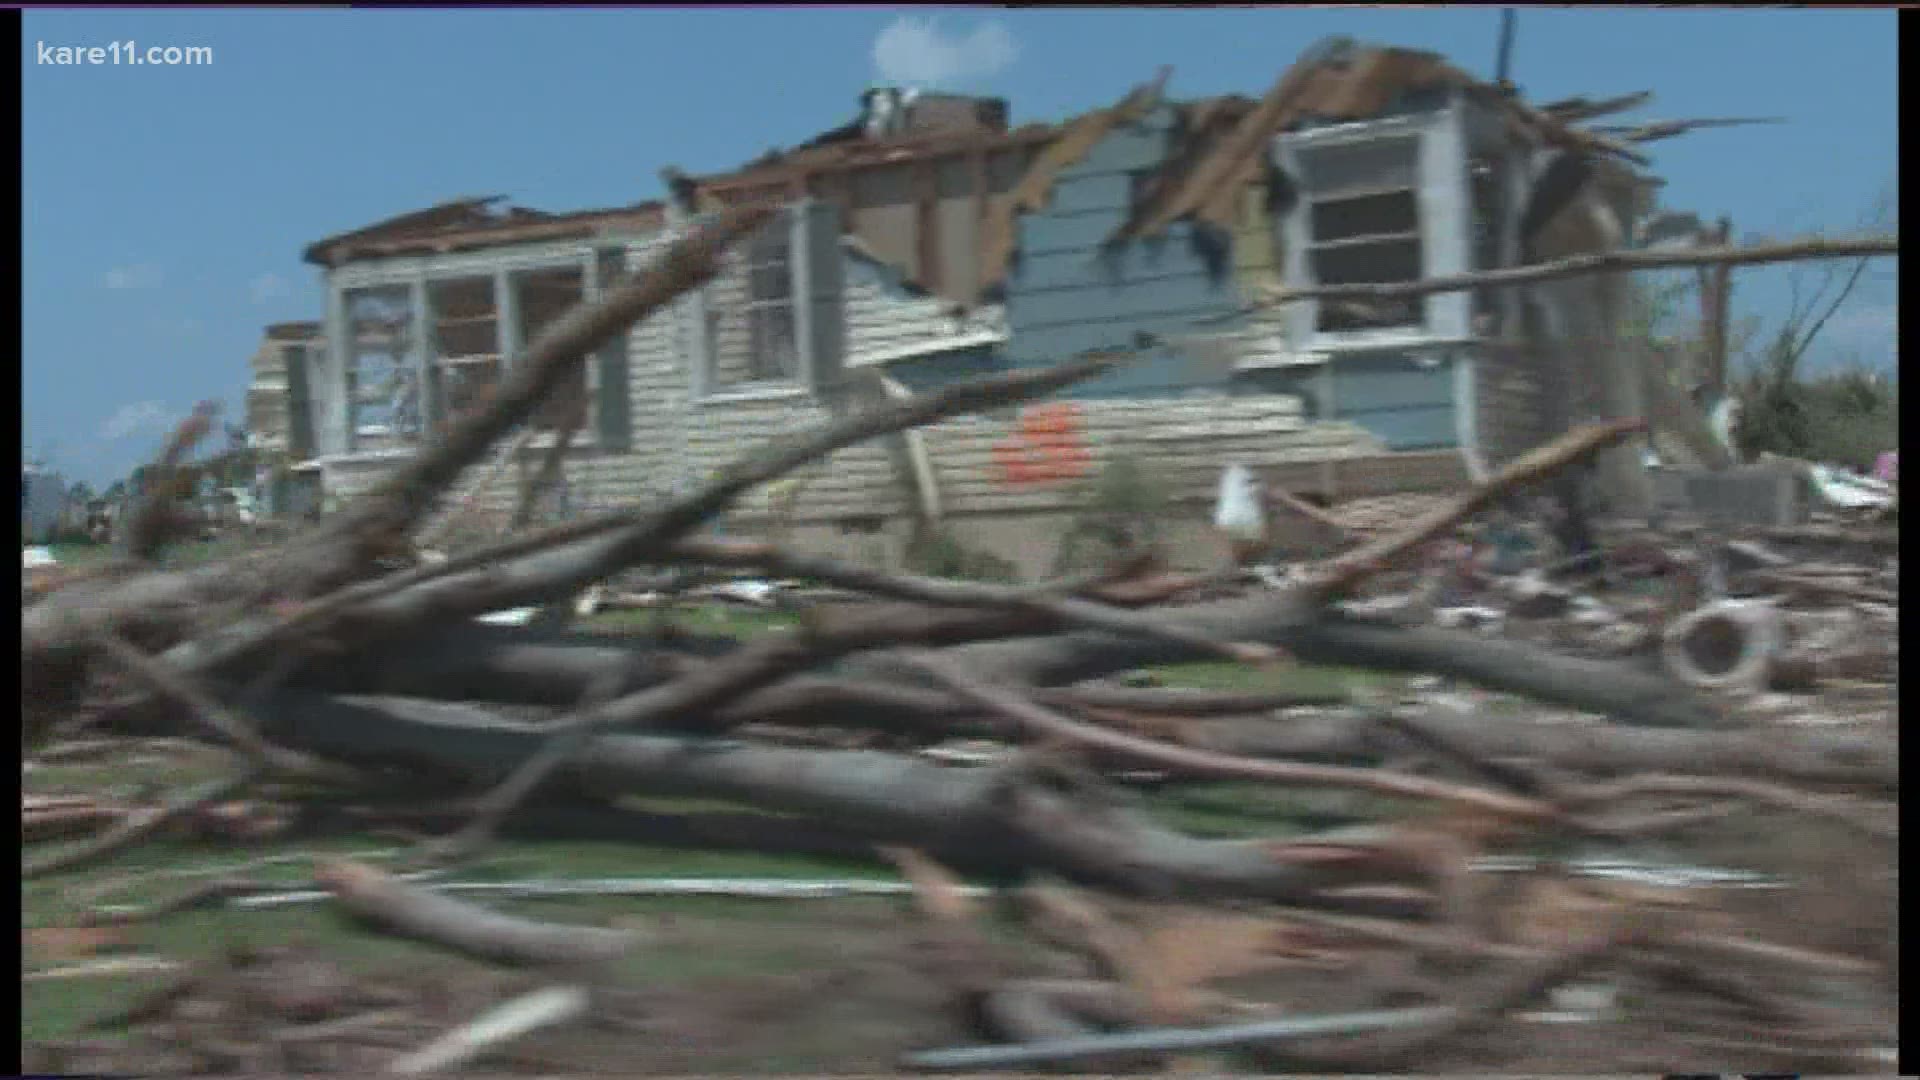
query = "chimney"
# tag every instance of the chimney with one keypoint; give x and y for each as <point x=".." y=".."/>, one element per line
<point x="954" y="112"/>
<point x="884" y="112"/>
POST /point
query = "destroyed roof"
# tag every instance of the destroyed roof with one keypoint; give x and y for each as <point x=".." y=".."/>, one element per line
<point x="465" y="224"/>
<point x="1221" y="143"/>
<point x="1219" y="149"/>
<point x="1338" y="81"/>
<point x="831" y="153"/>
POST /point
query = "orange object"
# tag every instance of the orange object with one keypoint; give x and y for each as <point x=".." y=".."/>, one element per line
<point x="1047" y="445"/>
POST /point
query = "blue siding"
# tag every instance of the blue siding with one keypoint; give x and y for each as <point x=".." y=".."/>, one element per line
<point x="1067" y="294"/>
<point x="1085" y="262"/>
<point x="1081" y="232"/>
<point x="1410" y="407"/>
<point x="1094" y="193"/>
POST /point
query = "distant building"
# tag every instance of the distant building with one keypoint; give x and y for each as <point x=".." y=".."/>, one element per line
<point x="43" y="502"/>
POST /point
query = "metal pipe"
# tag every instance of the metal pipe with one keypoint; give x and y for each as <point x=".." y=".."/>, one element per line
<point x="1157" y="1040"/>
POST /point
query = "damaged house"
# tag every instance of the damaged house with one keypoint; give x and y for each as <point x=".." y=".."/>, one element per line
<point x="928" y="242"/>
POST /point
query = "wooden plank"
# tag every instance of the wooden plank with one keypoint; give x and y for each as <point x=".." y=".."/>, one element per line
<point x="977" y="177"/>
<point x="926" y="198"/>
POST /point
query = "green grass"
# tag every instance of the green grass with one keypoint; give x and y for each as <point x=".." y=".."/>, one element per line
<point x="189" y="553"/>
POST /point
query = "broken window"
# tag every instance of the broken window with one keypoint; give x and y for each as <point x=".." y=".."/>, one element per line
<point x="383" y="392"/>
<point x="1363" y="227"/>
<point x="544" y="297"/>
<point x="466" y="346"/>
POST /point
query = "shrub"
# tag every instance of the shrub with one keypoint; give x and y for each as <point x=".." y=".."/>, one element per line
<point x="1844" y="418"/>
<point x="937" y="553"/>
<point x="1124" y="510"/>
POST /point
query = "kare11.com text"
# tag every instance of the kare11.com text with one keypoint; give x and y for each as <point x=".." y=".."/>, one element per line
<point x="117" y="53"/>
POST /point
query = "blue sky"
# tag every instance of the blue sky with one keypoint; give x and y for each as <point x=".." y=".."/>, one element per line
<point x="166" y="207"/>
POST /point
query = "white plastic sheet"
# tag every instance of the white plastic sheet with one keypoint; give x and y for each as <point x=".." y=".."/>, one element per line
<point x="1237" y="511"/>
<point x="1849" y="492"/>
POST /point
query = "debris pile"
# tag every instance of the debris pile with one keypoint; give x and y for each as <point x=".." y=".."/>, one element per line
<point x="1563" y="709"/>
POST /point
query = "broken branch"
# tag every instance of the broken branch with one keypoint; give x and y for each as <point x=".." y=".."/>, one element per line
<point x="1220" y="766"/>
<point x="1580" y="266"/>
<point x="415" y="912"/>
<point x="1341" y="573"/>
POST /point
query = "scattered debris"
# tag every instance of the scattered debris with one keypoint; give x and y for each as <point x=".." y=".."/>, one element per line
<point x="1603" y="694"/>
<point x="507" y="1022"/>
<point x="1729" y="644"/>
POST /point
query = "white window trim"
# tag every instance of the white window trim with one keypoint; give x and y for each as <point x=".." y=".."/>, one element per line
<point x="752" y="305"/>
<point x="592" y="287"/>
<point x="355" y="429"/>
<point x="701" y="315"/>
<point x="402" y="270"/>
<point x="1441" y="196"/>
<point x="752" y="392"/>
<point x="882" y="357"/>
<point x="490" y="263"/>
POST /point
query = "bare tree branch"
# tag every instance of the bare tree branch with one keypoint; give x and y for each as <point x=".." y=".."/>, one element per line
<point x="225" y="724"/>
<point x="1581" y="265"/>
<point x="138" y="826"/>
<point x="1220" y="766"/>
<point x="1066" y="609"/>
<point x="1342" y="572"/>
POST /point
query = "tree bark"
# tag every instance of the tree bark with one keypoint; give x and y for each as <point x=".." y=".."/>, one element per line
<point x="1847" y="761"/>
<point x="1075" y="831"/>
<point x="1332" y="638"/>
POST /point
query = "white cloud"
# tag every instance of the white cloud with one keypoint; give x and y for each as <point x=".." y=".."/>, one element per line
<point x="139" y="418"/>
<point x="913" y="50"/>
<point x="137" y="276"/>
<point x="266" y="287"/>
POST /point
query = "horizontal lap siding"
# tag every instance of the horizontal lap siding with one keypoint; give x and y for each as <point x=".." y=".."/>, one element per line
<point x="883" y="317"/>
<point x="853" y="482"/>
<point x="1407" y="404"/>
<point x="1068" y="294"/>
<point x="1184" y="442"/>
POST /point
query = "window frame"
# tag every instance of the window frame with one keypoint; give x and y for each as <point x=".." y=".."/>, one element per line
<point x="810" y="301"/>
<point x="763" y="258"/>
<point x="335" y="434"/>
<point x="511" y="352"/>
<point x="1443" y="221"/>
